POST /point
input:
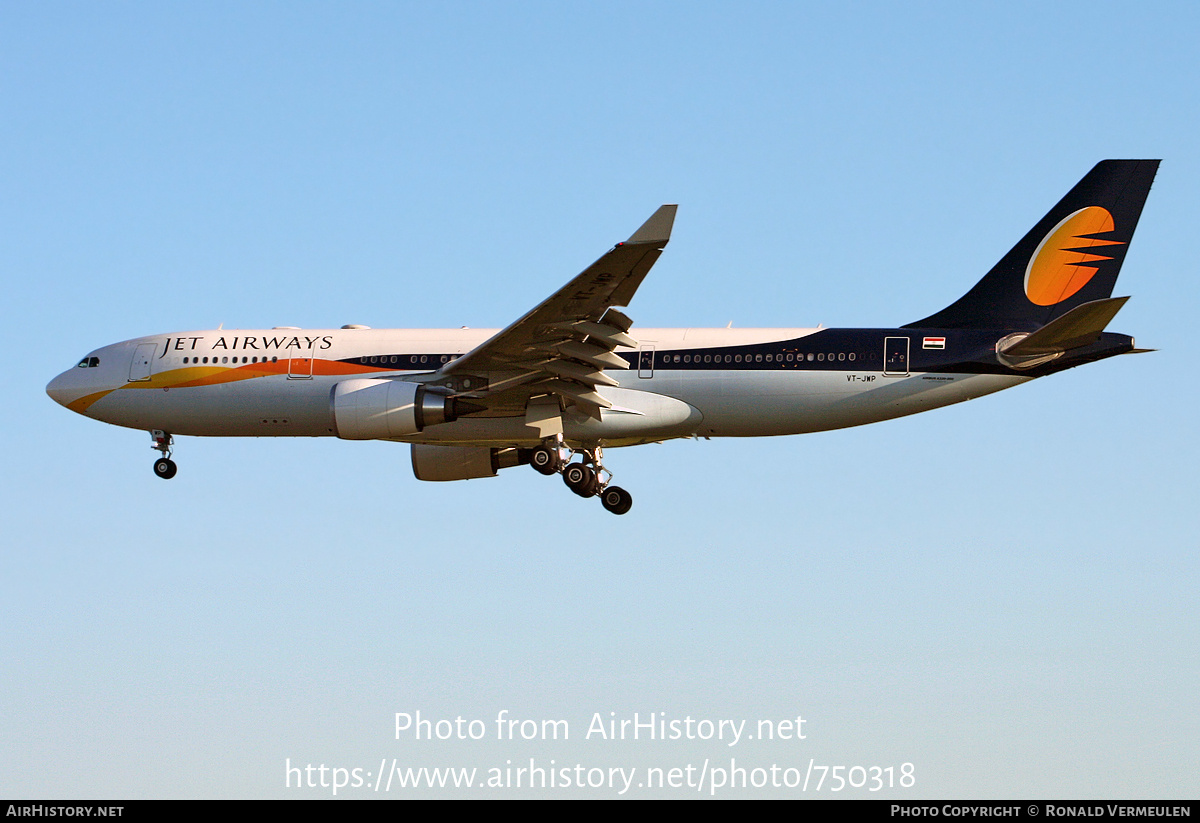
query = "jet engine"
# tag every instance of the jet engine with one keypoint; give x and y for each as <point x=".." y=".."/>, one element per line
<point x="463" y="462"/>
<point x="374" y="409"/>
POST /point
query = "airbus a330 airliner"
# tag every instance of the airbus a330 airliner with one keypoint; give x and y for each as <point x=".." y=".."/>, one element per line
<point x="574" y="375"/>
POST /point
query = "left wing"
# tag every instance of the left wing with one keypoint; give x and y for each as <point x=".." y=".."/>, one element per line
<point x="562" y="347"/>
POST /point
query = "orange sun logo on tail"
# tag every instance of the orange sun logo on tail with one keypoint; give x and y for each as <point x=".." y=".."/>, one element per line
<point x="1068" y="256"/>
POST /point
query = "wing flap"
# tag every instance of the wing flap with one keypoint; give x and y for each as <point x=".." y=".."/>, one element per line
<point x="566" y="342"/>
<point x="580" y="373"/>
<point x="599" y="332"/>
<point x="597" y="356"/>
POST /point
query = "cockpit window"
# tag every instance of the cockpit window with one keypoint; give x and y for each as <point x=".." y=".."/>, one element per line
<point x="88" y="363"/>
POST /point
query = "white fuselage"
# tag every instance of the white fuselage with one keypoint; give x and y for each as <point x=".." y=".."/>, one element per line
<point x="279" y="382"/>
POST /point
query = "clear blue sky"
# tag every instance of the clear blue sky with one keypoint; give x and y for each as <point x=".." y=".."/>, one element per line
<point x="1027" y="627"/>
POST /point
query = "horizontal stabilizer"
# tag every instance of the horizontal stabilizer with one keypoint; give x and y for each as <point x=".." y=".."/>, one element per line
<point x="1081" y="326"/>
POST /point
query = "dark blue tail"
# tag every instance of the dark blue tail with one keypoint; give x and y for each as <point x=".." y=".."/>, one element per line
<point x="1071" y="257"/>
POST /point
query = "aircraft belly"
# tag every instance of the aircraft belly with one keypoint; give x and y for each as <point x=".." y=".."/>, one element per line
<point x="758" y="403"/>
<point x="728" y="403"/>
<point x="264" y="407"/>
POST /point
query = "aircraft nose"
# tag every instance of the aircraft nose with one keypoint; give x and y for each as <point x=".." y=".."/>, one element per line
<point x="58" y="390"/>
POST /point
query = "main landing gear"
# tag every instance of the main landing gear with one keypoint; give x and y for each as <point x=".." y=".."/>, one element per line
<point x="164" y="467"/>
<point x="586" y="476"/>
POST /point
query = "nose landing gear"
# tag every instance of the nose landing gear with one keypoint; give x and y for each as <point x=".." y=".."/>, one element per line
<point x="164" y="467"/>
<point x="587" y="476"/>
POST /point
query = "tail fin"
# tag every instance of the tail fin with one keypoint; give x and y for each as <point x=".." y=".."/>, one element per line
<point x="1071" y="257"/>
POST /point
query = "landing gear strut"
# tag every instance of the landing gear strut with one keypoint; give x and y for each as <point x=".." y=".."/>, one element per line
<point x="164" y="467"/>
<point x="586" y="476"/>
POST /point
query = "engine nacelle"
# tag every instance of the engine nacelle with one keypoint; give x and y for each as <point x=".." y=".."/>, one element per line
<point x="463" y="462"/>
<point x="377" y="409"/>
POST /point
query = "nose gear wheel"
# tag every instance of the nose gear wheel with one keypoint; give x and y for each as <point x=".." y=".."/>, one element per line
<point x="164" y="467"/>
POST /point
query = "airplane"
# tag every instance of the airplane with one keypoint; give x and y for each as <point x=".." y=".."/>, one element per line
<point x="574" y="376"/>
